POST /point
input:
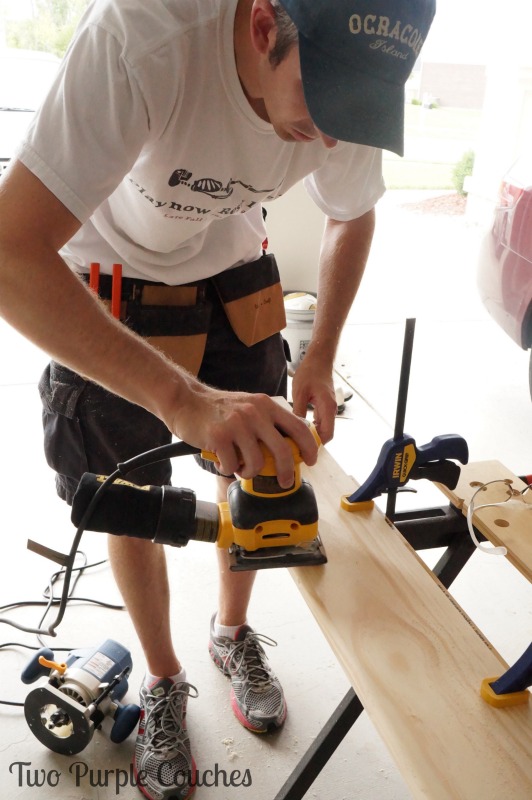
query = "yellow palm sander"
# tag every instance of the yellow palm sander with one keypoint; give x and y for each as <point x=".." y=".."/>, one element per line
<point x="262" y="524"/>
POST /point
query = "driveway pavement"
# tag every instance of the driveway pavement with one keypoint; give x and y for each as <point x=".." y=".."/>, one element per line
<point x="467" y="374"/>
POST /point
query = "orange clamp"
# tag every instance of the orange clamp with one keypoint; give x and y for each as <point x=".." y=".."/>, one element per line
<point x="358" y="505"/>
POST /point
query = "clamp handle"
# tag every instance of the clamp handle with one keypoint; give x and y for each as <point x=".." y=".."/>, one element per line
<point x="448" y="445"/>
<point x="60" y="667"/>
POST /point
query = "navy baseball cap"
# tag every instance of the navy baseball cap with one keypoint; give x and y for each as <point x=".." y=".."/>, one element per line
<point x="356" y="56"/>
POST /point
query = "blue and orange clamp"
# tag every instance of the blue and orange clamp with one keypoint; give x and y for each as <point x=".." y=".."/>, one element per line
<point x="510" y="689"/>
<point x="401" y="460"/>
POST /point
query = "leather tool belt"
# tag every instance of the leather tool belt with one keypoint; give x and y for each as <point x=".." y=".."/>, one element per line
<point x="175" y="319"/>
<point x="252" y="297"/>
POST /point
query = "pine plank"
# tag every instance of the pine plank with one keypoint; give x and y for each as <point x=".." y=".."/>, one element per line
<point x="412" y="655"/>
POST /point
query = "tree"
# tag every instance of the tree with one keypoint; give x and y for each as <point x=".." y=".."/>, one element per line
<point x="50" y="28"/>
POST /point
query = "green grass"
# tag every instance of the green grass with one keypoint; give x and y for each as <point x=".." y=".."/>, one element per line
<point x="435" y="140"/>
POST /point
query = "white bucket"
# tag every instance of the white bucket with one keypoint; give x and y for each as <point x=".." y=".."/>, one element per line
<point x="300" y="309"/>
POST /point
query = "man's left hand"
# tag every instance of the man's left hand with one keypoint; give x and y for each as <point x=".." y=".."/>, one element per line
<point x="313" y="385"/>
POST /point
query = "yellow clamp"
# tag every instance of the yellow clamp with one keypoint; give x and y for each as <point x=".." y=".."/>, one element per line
<point x="363" y="505"/>
<point x="502" y="700"/>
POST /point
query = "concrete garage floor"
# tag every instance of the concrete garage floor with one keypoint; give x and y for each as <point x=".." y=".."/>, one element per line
<point x="467" y="377"/>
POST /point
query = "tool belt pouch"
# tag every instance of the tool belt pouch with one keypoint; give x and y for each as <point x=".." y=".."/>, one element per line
<point x="252" y="297"/>
<point x="174" y="320"/>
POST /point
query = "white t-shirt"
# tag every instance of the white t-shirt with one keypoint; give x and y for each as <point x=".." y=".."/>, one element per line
<point x="147" y="137"/>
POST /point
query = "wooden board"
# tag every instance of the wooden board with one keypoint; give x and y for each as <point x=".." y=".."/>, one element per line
<point x="510" y="524"/>
<point x="413" y="656"/>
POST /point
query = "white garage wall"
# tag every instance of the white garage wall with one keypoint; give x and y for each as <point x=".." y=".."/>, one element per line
<point x="295" y="226"/>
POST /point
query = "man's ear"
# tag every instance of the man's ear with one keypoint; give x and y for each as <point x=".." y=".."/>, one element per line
<point x="263" y="27"/>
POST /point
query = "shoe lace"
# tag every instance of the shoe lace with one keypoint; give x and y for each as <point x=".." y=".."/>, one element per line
<point x="165" y="718"/>
<point x="249" y="657"/>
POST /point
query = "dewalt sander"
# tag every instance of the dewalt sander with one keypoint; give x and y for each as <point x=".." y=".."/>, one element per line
<point x="261" y="524"/>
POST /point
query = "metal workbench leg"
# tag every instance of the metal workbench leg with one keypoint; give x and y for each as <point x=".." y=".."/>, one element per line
<point x="322" y="748"/>
<point x="454" y="560"/>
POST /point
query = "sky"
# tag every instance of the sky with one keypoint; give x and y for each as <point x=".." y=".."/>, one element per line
<point x="480" y="32"/>
<point x="16" y="9"/>
<point x="460" y="32"/>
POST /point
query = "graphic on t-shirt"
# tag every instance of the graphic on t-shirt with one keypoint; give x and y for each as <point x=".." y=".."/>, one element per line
<point x="210" y="186"/>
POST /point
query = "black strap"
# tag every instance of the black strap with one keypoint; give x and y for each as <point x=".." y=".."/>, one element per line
<point x="131" y="288"/>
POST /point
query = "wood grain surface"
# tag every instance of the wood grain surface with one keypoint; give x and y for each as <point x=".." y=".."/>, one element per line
<point x="509" y="524"/>
<point x="413" y="656"/>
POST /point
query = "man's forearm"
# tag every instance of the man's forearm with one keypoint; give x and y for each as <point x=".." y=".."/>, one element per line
<point x="345" y="248"/>
<point x="47" y="303"/>
<point x="51" y="307"/>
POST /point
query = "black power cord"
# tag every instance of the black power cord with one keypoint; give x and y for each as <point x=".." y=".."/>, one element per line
<point x="51" y="600"/>
<point x="68" y="571"/>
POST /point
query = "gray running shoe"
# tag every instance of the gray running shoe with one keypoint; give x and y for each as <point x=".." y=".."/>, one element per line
<point x="257" y="697"/>
<point x="163" y="764"/>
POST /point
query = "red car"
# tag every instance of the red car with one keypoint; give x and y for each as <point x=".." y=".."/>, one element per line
<point x="505" y="274"/>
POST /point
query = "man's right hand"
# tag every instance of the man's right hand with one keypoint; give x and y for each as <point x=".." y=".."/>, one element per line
<point x="234" y="424"/>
